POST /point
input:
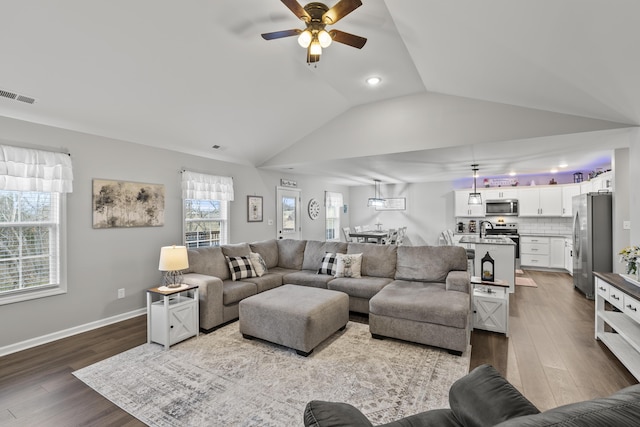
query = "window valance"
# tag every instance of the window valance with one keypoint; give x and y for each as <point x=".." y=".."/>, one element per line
<point x="24" y="169"/>
<point x="206" y="187"/>
<point x="333" y="200"/>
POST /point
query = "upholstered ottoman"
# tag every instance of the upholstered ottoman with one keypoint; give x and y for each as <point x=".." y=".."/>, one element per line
<point x="294" y="316"/>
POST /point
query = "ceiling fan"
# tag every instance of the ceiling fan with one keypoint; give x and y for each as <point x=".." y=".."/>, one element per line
<point x="317" y="16"/>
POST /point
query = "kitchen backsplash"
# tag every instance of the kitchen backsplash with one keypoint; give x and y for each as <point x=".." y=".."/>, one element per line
<point x="551" y="226"/>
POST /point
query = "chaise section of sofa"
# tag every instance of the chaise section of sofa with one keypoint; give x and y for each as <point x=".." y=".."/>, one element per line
<point x="429" y="302"/>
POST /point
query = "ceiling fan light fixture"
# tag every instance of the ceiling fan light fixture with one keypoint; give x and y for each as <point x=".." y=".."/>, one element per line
<point x="324" y="38"/>
<point x="304" y="39"/>
<point x="315" y="48"/>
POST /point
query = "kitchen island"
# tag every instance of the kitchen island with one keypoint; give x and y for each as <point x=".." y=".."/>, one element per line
<point x="503" y="252"/>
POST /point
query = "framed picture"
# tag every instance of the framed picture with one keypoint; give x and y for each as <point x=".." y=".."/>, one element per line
<point x="122" y="204"/>
<point x="254" y="208"/>
<point x="394" y="204"/>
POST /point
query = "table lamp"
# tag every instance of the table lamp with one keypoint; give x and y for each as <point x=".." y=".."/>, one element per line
<point x="173" y="259"/>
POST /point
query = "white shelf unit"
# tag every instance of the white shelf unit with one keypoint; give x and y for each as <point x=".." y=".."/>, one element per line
<point x="624" y="338"/>
<point x="174" y="317"/>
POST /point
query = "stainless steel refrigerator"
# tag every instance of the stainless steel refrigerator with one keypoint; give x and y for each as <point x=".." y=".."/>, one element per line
<point x="592" y="239"/>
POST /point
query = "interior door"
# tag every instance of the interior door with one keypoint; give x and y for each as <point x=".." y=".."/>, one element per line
<point x="288" y="213"/>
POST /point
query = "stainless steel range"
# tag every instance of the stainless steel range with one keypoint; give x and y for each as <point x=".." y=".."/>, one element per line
<point x="510" y="231"/>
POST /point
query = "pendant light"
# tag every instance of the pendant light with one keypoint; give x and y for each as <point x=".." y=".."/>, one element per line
<point x="376" y="201"/>
<point x="475" y="198"/>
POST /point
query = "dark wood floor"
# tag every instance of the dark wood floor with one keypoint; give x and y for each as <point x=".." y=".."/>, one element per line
<point x="550" y="355"/>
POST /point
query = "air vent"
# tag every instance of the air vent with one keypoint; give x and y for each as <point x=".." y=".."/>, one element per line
<point x="16" y="96"/>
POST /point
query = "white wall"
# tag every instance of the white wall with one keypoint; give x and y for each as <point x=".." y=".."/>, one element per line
<point x="634" y="188"/>
<point x="101" y="261"/>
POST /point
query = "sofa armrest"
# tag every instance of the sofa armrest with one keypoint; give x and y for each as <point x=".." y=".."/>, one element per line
<point x="485" y="398"/>
<point x="458" y="281"/>
<point x="318" y="413"/>
<point x="210" y="295"/>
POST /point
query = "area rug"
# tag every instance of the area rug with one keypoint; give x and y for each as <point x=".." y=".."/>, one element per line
<point x="526" y="281"/>
<point x="223" y="379"/>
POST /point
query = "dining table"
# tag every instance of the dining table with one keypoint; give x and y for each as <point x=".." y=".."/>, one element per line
<point x="370" y="235"/>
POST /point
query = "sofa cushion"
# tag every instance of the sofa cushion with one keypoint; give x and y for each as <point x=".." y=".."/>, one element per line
<point x="236" y="249"/>
<point x="259" y="266"/>
<point x="328" y="264"/>
<point x="291" y="253"/>
<point x="209" y="261"/>
<point x="364" y="287"/>
<point x="240" y="267"/>
<point x="349" y="265"/>
<point x="377" y="260"/>
<point x="485" y="398"/>
<point x="315" y="250"/>
<point x="307" y="278"/>
<point x="429" y="263"/>
<point x="234" y="292"/>
<point x="422" y="302"/>
<point x="333" y="414"/>
<point x="265" y="282"/>
<point x="268" y="249"/>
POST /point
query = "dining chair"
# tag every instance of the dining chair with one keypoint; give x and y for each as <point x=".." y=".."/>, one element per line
<point x="346" y="231"/>
<point x="392" y="237"/>
<point x="402" y="233"/>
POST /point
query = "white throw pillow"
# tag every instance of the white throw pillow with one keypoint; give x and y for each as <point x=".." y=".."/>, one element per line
<point x="259" y="266"/>
<point x="349" y="265"/>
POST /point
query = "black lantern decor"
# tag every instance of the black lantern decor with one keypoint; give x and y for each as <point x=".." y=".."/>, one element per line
<point x="577" y="177"/>
<point x="488" y="266"/>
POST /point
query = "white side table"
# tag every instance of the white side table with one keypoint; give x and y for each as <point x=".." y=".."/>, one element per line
<point x="491" y="305"/>
<point x="174" y="317"/>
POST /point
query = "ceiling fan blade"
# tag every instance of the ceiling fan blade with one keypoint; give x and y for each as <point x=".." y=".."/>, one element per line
<point x="348" y="39"/>
<point x="281" y="34"/>
<point x="297" y="10"/>
<point x="340" y="10"/>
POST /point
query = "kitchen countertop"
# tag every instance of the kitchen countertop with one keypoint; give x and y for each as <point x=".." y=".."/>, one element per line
<point x="493" y="240"/>
<point x="564" y="236"/>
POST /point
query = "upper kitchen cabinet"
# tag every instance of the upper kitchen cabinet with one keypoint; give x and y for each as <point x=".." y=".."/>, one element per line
<point x="500" y="193"/>
<point x="540" y="201"/>
<point x="568" y="191"/>
<point x="602" y="182"/>
<point x="463" y="208"/>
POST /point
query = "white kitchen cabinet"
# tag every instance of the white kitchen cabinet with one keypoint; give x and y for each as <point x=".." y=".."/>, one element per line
<point x="586" y="187"/>
<point x="602" y="182"/>
<point x="540" y="201"/>
<point x="500" y="193"/>
<point x="462" y="207"/>
<point x="556" y="252"/>
<point x="534" y="251"/>
<point x="568" y="191"/>
<point x="568" y="255"/>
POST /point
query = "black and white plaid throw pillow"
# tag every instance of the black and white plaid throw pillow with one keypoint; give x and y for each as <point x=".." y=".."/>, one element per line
<point x="240" y="267"/>
<point x="329" y="262"/>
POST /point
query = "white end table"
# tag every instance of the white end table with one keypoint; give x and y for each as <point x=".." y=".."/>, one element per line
<point x="490" y="305"/>
<point x="174" y="317"/>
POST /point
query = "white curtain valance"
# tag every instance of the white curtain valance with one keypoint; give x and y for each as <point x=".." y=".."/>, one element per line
<point x="24" y="169"/>
<point x="206" y="187"/>
<point x="333" y="200"/>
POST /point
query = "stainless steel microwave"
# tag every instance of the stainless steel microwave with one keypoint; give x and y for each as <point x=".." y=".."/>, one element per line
<point x="501" y="207"/>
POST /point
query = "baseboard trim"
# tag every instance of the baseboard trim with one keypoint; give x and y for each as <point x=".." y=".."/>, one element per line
<point x="44" y="339"/>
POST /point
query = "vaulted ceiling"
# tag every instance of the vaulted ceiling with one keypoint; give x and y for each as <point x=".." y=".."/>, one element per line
<point x="513" y="85"/>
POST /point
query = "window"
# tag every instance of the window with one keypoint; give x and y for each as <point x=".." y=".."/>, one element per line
<point x="205" y="223"/>
<point x="206" y="206"/>
<point x="333" y="204"/>
<point x="33" y="184"/>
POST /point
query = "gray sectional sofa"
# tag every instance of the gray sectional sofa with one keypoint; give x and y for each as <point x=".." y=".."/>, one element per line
<point x="415" y="293"/>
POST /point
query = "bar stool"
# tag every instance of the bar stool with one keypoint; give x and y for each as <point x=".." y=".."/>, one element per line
<point x="471" y="260"/>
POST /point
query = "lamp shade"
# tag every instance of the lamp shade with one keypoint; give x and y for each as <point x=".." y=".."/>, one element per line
<point x="173" y="258"/>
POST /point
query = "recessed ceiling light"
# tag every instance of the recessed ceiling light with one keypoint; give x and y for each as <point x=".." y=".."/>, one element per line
<point x="563" y="165"/>
<point x="554" y="170"/>
<point x="372" y="81"/>
<point x="512" y="174"/>
<point x="215" y="147"/>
